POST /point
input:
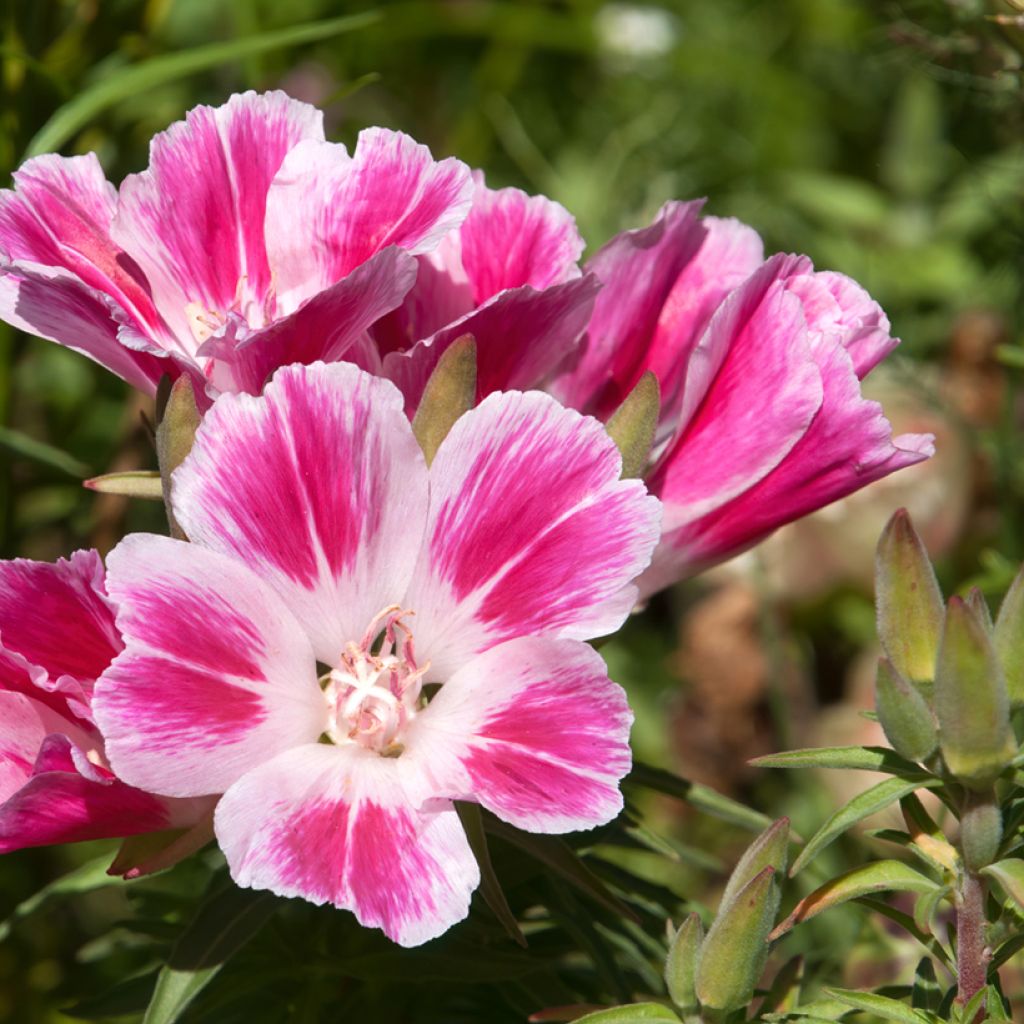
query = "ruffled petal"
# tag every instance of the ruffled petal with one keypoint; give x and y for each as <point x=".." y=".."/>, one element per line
<point x="333" y="825"/>
<point x="320" y="487"/>
<point x="530" y="531"/>
<point x="194" y="220"/>
<point x="534" y="730"/>
<point x="328" y="212"/>
<point x="216" y="676"/>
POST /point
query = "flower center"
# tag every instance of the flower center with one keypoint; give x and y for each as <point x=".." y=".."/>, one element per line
<point x="373" y="694"/>
<point x="246" y="311"/>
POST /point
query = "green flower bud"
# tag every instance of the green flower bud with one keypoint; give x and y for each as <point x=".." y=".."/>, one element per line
<point x="971" y="701"/>
<point x="769" y="850"/>
<point x="904" y="714"/>
<point x="908" y="600"/>
<point x="981" y="831"/>
<point x="1009" y="638"/>
<point x="733" y="955"/>
<point x="681" y="963"/>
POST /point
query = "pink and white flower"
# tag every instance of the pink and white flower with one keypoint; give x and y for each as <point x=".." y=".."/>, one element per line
<point x="318" y="534"/>
<point x="57" y="636"/>
<point x="248" y="243"/>
<point x="759" y="365"/>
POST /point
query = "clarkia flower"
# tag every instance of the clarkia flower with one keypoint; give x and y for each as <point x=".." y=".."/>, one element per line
<point x="759" y="365"/>
<point x="57" y="636"/>
<point x="446" y="608"/>
<point x="248" y="243"/>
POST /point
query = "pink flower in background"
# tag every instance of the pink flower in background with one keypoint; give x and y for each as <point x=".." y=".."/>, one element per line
<point x="249" y="243"/>
<point x="57" y="636"/>
<point x="320" y="535"/>
<point x="759" y="364"/>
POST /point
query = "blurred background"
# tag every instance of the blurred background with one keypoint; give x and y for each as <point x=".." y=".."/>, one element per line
<point x="884" y="139"/>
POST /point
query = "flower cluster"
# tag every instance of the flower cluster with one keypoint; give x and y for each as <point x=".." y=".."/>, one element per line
<point x="358" y="632"/>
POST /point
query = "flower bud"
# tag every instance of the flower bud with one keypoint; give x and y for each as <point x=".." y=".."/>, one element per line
<point x="981" y="831"/>
<point x="904" y="714"/>
<point x="733" y="955"/>
<point x="970" y="700"/>
<point x="681" y="963"/>
<point x="908" y="600"/>
<point x="1008" y="638"/>
<point x="769" y="849"/>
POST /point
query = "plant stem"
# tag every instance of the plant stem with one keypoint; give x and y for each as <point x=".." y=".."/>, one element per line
<point x="971" y="955"/>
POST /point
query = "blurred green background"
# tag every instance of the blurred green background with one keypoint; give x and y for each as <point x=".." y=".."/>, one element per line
<point x="882" y="138"/>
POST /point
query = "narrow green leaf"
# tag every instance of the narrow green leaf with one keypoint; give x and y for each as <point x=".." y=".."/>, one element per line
<point x="222" y="926"/>
<point x="1010" y="876"/>
<point x="863" y="805"/>
<point x="139" y="79"/>
<point x="906" y="922"/>
<point x="769" y="849"/>
<point x="881" y="1006"/>
<point x="139" y="483"/>
<point x="1008" y="638"/>
<point x="635" y="1013"/>
<point x="881" y="876"/>
<point x="868" y="759"/>
<point x="681" y="963"/>
<point x="490" y="887"/>
<point x="38" y="451"/>
<point x="450" y="392"/>
<point x="633" y="424"/>
<point x="927" y="992"/>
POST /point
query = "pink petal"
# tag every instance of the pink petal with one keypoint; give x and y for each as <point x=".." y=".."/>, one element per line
<point x="216" y="676"/>
<point x="333" y="825"/>
<point x="638" y="270"/>
<point x="57" y="627"/>
<point x="530" y="531"/>
<point x="533" y="729"/>
<point x="324" y="328"/>
<point x="760" y="403"/>
<point x="511" y="239"/>
<point x="194" y="220"/>
<point x="522" y="337"/>
<point x="320" y="487"/>
<point x="327" y="212"/>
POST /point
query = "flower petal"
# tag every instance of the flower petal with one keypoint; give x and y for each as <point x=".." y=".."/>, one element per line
<point x="216" y="675"/>
<point x="530" y="531"/>
<point x="532" y="729"/>
<point x="194" y="219"/>
<point x="333" y="825"/>
<point x="522" y="337"/>
<point x="327" y="212"/>
<point x="320" y="487"/>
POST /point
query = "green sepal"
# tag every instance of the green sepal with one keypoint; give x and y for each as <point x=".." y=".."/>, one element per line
<point x="136" y="483"/>
<point x="449" y="394"/>
<point x="769" y="849"/>
<point x="178" y="421"/>
<point x="633" y="424"/>
<point x="681" y="963"/>
<point x="981" y="830"/>
<point x="904" y="714"/>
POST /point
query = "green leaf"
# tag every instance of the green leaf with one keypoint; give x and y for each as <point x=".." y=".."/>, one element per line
<point x="868" y="759"/>
<point x="1010" y="876"/>
<point x="881" y="1006"/>
<point x="633" y="424"/>
<point x="138" y="483"/>
<point x="785" y="988"/>
<point x="863" y="805"/>
<point x="38" y="451"/>
<point x="881" y="876"/>
<point x="490" y="887"/>
<point x="906" y="922"/>
<point x="634" y="1013"/>
<point x="927" y="993"/>
<point x="222" y="926"/>
<point x="450" y="392"/>
<point x="138" y="80"/>
<point x="127" y="998"/>
<point x="1008" y="638"/>
<point x="681" y="963"/>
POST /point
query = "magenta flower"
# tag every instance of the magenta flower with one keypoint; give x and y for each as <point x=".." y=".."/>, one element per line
<point x="57" y="636"/>
<point x="319" y="535"/>
<point x="759" y="364"/>
<point x="249" y="243"/>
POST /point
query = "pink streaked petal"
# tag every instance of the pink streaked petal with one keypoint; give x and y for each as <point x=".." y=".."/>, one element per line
<point x="534" y="730"/>
<point x="60" y="217"/>
<point x="511" y="239"/>
<point x="848" y="446"/>
<point x="57" y="617"/>
<point x="333" y="825"/>
<point x="522" y="337"/>
<point x="327" y="212"/>
<point x="216" y="675"/>
<point x="27" y="723"/>
<point x="325" y="327"/>
<point x="530" y="531"/>
<point x="761" y="402"/>
<point x="731" y="252"/>
<point x="320" y="487"/>
<point x="638" y="270"/>
<point x="194" y="220"/>
<point x="54" y="304"/>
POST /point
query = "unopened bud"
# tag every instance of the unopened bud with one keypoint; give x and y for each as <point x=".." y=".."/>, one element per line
<point x="769" y="850"/>
<point x="733" y="955"/>
<point x="970" y="700"/>
<point x="1008" y="638"/>
<point x="904" y="714"/>
<point x="981" y="831"/>
<point x="908" y="600"/>
<point x="976" y="602"/>
<point x="681" y="963"/>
